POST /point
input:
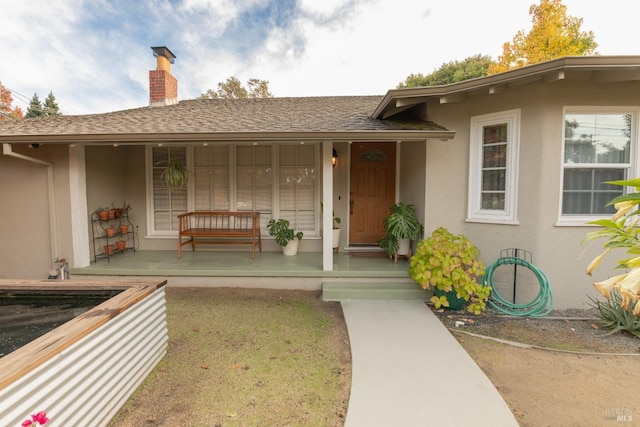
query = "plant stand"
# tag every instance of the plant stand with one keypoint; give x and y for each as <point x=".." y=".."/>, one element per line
<point x="404" y="250"/>
<point x="107" y="232"/>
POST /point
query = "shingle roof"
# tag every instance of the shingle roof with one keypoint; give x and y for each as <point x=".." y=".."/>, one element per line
<point x="221" y="116"/>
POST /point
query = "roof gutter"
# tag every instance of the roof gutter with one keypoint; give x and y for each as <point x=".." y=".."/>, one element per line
<point x="7" y="150"/>
<point x="142" y="138"/>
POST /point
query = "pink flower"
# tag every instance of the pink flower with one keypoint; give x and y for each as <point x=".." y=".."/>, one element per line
<point x="36" y="419"/>
<point x="40" y="417"/>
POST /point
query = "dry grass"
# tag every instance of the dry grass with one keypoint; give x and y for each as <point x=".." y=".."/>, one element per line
<point x="241" y="357"/>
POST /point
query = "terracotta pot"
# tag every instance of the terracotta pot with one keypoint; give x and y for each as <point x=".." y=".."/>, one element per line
<point x="104" y="215"/>
<point x="110" y="231"/>
<point x="118" y="213"/>
<point x="108" y="249"/>
<point x="121" y="245"/>
<point x="124" y="229"/>
<point x="112" y="213"/>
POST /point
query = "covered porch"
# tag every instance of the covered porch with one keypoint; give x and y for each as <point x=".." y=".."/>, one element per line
<point x="368" y="277"/>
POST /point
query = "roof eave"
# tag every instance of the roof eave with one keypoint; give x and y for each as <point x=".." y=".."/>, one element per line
<point x="533" y="72"/>
<point x="145" y="138"/>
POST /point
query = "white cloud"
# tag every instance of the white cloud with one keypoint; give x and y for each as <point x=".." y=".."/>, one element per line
<point x="95" y="56"/>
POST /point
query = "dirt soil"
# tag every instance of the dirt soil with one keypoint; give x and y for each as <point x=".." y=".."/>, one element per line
<point x="571" y="374"/>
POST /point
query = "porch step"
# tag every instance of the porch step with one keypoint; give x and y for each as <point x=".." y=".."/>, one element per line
<point x="366" y="251"/>
<point x="383" y="290"/>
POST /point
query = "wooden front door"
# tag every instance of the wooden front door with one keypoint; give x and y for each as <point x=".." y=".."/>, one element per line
<point x="372" y="192"/>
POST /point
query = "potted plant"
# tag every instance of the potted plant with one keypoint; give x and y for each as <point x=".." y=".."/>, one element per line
<point x="402" y="226"/>
<point x="103" y="213"/>
<point x="284" y="236"/>
<point x="108" y="249"/>
<point x="450" y="265"/>
<point x="336" y="230"/>
<point x="111" y="231"/>
<point x="124" y="214"/>
<point x="175" y="175"/>
<point x="126" y="207"/>
<point x="121" y="244"/>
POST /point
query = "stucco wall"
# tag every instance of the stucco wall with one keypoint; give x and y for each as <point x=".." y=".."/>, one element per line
<point x="25" y="227"/>
<point x="557" y="250"/>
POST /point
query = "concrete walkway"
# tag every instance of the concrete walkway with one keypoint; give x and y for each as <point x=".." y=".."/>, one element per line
<point x="408" y="370"/>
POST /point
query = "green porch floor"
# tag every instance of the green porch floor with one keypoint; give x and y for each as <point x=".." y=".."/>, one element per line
<point x="353" y="277"/>
<point x="240" y="264"/>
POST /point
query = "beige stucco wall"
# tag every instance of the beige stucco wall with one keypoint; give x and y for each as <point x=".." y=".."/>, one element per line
<point x="557" y="250"/>
<point x="25" y="227"/>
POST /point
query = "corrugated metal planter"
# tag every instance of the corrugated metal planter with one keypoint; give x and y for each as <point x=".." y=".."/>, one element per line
<point x="87" y="368"/>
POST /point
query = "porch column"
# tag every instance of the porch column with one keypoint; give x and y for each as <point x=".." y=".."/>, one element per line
<point x="327" y="202"/>
<point x="79" y="212"/>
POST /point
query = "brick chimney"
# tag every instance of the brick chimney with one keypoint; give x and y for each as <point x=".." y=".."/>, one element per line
<point x="163" y="87"/>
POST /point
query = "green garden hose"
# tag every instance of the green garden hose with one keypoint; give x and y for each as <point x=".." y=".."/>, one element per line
<point x="541" y="305"/>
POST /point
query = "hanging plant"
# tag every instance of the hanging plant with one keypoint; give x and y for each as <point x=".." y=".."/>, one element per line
<point x="175" y="175"/>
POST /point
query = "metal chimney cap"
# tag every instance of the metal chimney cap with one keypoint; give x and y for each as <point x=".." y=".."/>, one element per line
<point x="163" y="51"/>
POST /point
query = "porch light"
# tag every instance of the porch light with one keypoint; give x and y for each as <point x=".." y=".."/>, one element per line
<point x="334" y="158"/>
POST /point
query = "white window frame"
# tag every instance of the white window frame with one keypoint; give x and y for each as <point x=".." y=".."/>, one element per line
<point x="631" y="167"/>
<point x="151" y="232"/>
<point x="475" y="213"/>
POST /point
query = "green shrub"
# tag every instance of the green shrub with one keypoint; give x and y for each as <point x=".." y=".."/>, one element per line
<point x="450" y="262"/>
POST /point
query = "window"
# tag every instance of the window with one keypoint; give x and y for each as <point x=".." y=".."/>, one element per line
<point x="277" y="180"/>
<point x="167" y="203"/>
<point x="494" y="141"/>
<point x="597" y="149"/>
<point x="211" y="178"/>
<point x="298" y="183"/>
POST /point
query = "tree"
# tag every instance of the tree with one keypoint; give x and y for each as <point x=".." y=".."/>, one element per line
<point x="233" y="89"/>
<point x="51" y="106"/>
<point x="553" y="35"/>
<point x="451" y="72"/>
<point x="35" y="107"/>
<point x="6" y="110"/>
<point x="47" y="108"/>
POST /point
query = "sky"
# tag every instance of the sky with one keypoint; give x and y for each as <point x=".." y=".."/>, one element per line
<point x="95" y="55"/>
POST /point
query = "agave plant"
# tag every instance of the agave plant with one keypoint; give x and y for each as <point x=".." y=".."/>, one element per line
<point x="614" y="317"/>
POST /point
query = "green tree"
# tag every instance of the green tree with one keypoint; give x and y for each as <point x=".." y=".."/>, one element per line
<point x="451" y="72"/>
<point x="35" y="107"/>
<point x="42" y="109"/>
<point x="7" y="111"/>
<point x="232" y="88"/>
<point x="50" y="105"/>
<point x="554" y="34"/>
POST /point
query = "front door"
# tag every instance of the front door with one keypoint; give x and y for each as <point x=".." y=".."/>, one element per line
<point x="372" y="192"/>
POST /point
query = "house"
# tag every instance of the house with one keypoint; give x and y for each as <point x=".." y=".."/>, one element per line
<point x="514" y="160"/>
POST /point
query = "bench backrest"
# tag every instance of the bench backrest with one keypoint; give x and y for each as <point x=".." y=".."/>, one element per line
<point x="219" y="220"/>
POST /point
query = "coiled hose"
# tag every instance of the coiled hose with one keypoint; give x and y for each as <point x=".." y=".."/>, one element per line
<point x="541" y="305"/>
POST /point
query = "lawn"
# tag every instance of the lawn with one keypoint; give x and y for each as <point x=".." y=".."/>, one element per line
<point x="239" y="357"/>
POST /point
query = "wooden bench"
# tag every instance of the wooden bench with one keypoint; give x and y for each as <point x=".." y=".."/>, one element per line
<point x="219" y="228"/>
